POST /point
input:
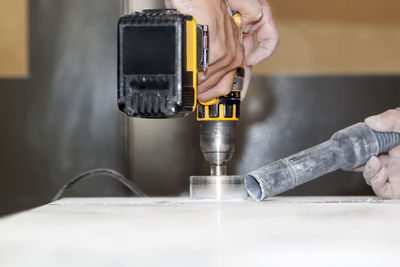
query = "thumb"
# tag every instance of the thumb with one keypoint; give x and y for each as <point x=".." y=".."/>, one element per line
<point x="250" y="12"/>
<point x="388" y="121"/>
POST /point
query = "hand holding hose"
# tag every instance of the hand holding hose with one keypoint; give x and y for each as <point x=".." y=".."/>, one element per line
<point x="382" y="173"/>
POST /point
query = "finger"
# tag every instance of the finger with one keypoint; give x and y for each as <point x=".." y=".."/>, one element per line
<point x="248" y="44"/>
<point x="395" y="152"/>
<point x="388" y="121"/>
<point x="224" y="42"/>
<point x="250" y="12"/>
<point x="372" y="167"/>
<point x="387" y="184"/>
<point x="267" y="36"/>
<point x="380" y="185"/>
<point x="385" y="191"/>
<point x="378" y="180"/>
<point x="212" y="80"/>
<point x="394" y="177"/>
<point x="246" y="82"/>
<point x="229" y="58"/>
<point x="222" y="88"/>
<point x="384" y="160"/>
<point x="218" y="58"/>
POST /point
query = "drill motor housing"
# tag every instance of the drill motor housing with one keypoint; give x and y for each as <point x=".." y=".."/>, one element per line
<point x="159" y="54"/>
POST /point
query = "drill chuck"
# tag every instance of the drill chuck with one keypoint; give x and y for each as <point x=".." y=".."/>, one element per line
<point x="348" y="148"/>
<point x="217" y="142"/>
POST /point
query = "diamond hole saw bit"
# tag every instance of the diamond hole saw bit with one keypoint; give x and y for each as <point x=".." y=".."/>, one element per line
<point x="347" y="148"/>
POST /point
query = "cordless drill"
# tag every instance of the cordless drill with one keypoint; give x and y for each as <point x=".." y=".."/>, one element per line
<point x="159" y="54"/>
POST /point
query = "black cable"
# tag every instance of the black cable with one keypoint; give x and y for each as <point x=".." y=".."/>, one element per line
<point x="96" y="172"/>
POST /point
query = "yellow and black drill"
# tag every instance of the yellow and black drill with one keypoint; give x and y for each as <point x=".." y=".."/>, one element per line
<point x="159" y="55"/>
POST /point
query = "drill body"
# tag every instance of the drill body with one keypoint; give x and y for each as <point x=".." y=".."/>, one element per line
<point x="159" y="55"/>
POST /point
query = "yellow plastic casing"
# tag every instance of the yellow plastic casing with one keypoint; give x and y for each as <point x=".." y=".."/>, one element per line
<point x="191" y="55"/>
<point x="221" y="106"/>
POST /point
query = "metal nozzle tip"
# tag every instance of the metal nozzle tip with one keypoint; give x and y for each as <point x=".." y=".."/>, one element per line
<point x="253" y="187"/>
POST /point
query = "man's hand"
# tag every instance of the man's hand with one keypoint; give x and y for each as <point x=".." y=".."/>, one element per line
<point x="225" y="52"/>
<point x="383" y="173"/>
<point x="257" y="21"/>
<point x="226" y="49"/>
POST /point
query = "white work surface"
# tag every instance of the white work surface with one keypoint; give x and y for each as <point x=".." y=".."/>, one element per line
<point x="286" y="231"/>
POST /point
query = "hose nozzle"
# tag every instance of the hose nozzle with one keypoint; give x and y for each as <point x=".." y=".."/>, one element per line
<point x="348" y="148"/>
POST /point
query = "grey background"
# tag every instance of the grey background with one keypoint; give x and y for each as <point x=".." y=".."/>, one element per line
<point x="63" y="119"/>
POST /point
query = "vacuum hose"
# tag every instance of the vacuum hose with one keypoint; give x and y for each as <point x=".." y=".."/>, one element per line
<point x="348" y="148"/>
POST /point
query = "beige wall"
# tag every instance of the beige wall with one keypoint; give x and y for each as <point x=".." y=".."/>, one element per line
<point x="317" y="36"/>
<point x="13" y="38"/>
<point x="341" y="36"/>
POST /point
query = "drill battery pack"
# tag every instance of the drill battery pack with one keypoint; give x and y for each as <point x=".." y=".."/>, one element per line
<point x="159" y="54"/>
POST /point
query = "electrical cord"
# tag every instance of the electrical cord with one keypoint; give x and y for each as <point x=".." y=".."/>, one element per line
<point x="100" y="172"/>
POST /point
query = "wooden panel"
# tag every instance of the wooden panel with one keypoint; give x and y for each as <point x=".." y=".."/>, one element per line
<point x="14" y="38"/>
<point x="336" y="37"/>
